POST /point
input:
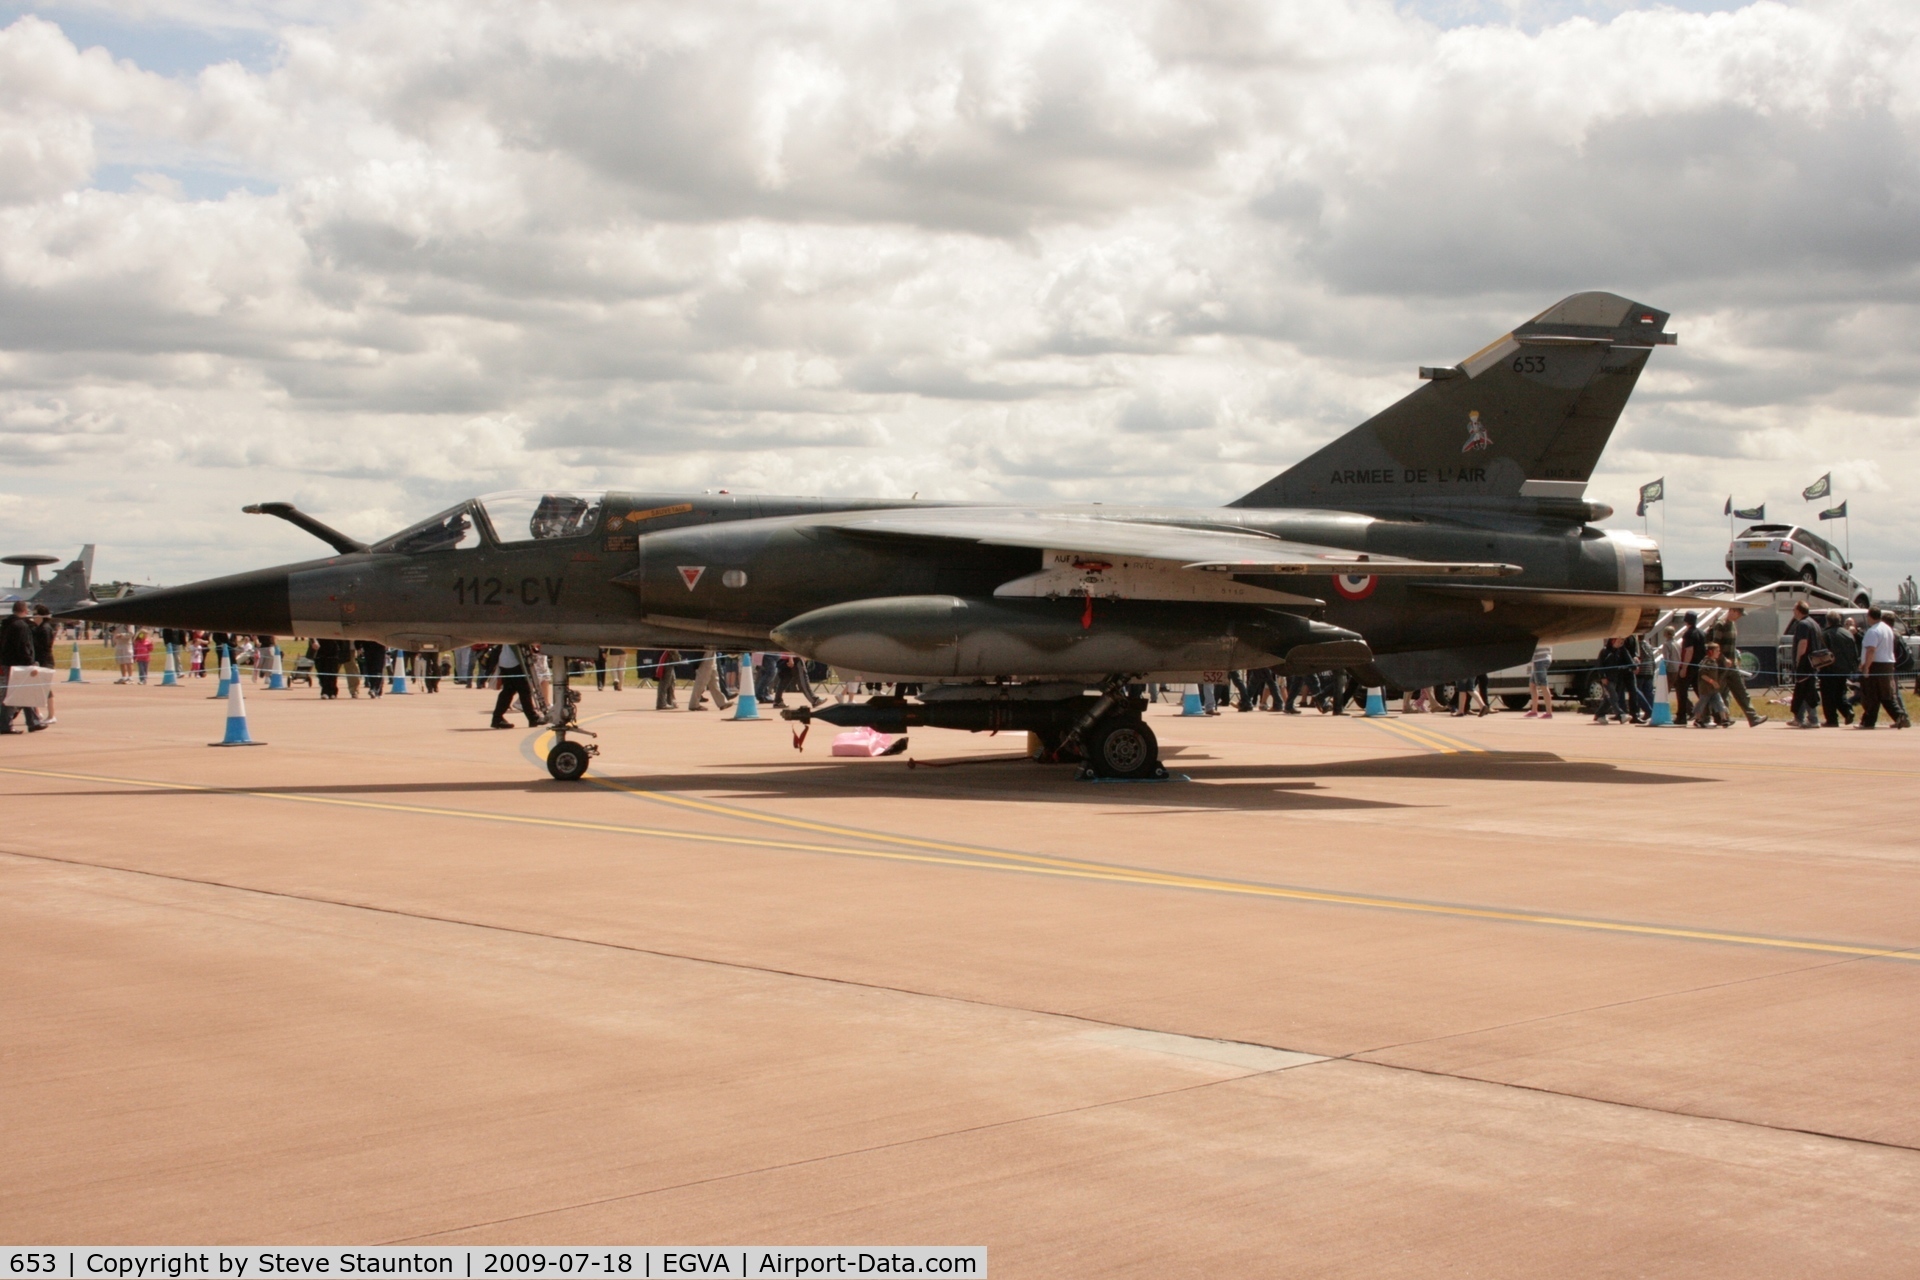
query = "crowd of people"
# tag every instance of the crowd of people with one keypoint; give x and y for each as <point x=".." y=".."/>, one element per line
<point x="26" y="640"/>
<point x="1841" y="672"/>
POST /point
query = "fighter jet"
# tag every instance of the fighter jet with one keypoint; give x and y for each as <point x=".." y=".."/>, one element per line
<point x="68" y="587"/>
<point x="1444" y="537"/>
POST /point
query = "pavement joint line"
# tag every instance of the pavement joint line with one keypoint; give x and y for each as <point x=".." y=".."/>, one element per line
<point x="1615" y="1102"/>
<point x="895" y="1145"/>
<point x="1794" y="972"/>
<point x="1318" y="1060"/>
<point x="1035" y="864"/>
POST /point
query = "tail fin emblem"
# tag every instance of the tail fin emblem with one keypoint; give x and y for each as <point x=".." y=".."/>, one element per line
<point x="1477" y="437"/>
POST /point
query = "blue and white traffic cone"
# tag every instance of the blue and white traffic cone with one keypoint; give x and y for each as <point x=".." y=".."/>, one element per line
<point x="1190" y="702"/>
<point x="746" y="706"/>
<point x="226" y="673"/>
<point x="172" y="674"/>
<point x="399" y="682"/>
<point x="73" y="672"/>
<point x="237" y="735"/>
<point x="277" y="678"/>
<point x="1662" y="708"/>
<point x="1376" y="702"/>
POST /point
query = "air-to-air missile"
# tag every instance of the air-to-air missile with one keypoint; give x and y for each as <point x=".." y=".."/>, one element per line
<point x="1444" y="537"/>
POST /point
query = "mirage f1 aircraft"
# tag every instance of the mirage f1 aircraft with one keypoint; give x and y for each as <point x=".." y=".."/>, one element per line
<point x="1444" y="537"/>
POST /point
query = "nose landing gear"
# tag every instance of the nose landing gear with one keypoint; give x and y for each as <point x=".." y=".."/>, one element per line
<point x="566" y="760"/>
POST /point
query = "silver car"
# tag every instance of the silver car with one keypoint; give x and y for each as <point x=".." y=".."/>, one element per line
<point x="1768" y="553"/>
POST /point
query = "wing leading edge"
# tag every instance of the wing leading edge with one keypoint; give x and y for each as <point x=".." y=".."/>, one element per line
<point x="1211" y="549"/>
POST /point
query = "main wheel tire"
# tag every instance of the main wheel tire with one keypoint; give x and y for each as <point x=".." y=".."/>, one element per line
<point x="1515" y="701"/>
<point x="567" y="762"/>
<point x="1124" y="750"/>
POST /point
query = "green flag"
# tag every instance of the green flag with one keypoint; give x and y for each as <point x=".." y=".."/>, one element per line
<point x="1651" y="492"/>
<point x="1750" y="513"/>
<point x="1835" y="513"/>
<point x="1821" y="488"/>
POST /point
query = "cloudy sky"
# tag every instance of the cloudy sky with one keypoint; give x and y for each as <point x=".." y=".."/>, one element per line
<point x="373" y="257"/>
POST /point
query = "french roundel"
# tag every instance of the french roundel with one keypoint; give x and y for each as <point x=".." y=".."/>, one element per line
<point x="1355" y="586"/>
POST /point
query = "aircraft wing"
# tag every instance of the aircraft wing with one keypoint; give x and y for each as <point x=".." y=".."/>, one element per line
<point x="1231" y="550"/>
<point x="1567" y="597"/>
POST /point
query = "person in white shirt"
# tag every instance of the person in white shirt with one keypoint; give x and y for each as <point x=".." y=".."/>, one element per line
<point x="1877" y="686"/>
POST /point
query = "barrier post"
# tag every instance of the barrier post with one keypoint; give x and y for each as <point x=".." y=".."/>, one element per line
<point x="172" y="674"/>
<point x="1190" y="702"/>
<point x="1662" y="707"/>
<point x="746" y="706"/>
<point x="277" y="678"/>
<point x="399" y="682"/>
<point x="226" y="673"/>
<point x="1376" y="701"/>
<point x="236" y="735"/>
<point x="73" y="672"/>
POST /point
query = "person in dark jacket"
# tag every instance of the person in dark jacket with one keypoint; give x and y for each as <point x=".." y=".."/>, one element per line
<point x="1806" y="639"/>
<point x="43" y="649"/>
<point x="326" y="666"/>
<point x="511" y="667"/>
<point x="1835" y="677"/>
<point x="1692" y="646"/>
<point x="16" y="650"/>
<point x="1615" y="669"/>
<point x="373" y="665"/>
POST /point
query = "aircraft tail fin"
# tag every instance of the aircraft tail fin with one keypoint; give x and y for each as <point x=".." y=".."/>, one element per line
<point x="1517" y="426"/>
<point x="72" y="585"/>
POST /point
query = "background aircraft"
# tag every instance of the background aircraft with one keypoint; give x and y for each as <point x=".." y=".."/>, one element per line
<point x="1445" y="536"/>
<point x="69" y="586"/>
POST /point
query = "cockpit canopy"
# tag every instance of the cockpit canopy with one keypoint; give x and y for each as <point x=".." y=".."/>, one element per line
<point x="511" y="516"/>
<point x="534" y="515"/>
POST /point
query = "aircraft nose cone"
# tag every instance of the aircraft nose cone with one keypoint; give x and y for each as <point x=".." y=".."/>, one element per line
<point x="254" y="603"/>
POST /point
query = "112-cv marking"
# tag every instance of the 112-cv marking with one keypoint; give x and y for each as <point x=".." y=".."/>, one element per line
<point x="530" y="591"/>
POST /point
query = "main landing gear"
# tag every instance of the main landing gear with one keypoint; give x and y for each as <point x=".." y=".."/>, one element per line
<point x="1105" y="733"/>
<point x="1124" y="748"/>
<point x="1113" y="737"/>
<point x="567" y="760"/>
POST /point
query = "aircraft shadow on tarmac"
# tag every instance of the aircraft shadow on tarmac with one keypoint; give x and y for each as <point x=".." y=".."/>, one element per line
<point x="975" y="778"/>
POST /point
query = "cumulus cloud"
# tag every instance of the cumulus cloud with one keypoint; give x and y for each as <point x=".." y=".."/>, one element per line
<point x="374" y="256"/>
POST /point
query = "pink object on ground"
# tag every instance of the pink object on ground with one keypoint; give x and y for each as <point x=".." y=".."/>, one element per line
<point x="864" y="741"/>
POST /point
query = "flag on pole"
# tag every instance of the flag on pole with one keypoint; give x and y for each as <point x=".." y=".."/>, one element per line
<point x="1728" y="509"/>
<point x="1835" y="513"/>
<point x="1651" y="492"/>
<point x="1751" y="513"/>
<point x="1821" y="488"/>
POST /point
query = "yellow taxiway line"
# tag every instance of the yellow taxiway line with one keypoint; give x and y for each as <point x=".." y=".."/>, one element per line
<point x="994" y="860"/>
<point x="1432" y="739"/>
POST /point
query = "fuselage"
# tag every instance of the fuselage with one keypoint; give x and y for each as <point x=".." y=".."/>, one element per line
<point x="653" y="570"/>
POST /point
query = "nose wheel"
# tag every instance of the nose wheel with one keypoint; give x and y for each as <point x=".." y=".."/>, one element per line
<point x="567" y="761"/>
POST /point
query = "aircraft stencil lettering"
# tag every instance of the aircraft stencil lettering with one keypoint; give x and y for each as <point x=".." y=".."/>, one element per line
<point x="1438" y="571"/>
